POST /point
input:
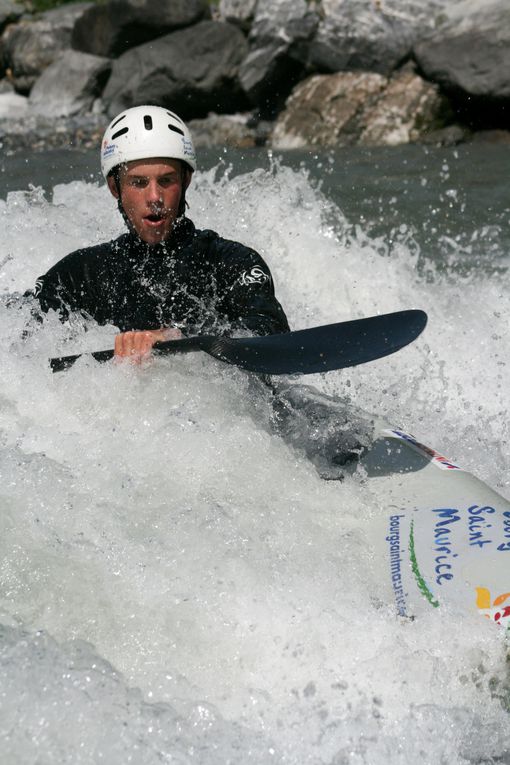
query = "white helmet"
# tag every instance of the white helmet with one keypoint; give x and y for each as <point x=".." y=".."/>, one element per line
<point x="144" y="132"/>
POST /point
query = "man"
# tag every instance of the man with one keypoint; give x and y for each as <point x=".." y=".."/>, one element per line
<point x="163" y="277"/>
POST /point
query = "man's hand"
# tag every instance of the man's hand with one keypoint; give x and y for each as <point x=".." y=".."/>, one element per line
<point x="137" y="345"/>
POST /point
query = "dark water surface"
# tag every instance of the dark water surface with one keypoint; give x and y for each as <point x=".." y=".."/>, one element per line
<point x="451" y="200"/>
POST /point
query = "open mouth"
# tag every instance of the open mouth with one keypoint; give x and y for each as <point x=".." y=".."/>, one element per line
<point x="154" y="220"/>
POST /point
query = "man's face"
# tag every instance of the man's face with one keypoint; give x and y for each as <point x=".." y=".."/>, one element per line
<point x="151" y="190"/>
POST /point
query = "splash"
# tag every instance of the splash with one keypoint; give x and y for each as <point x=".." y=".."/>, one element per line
<point x="178" y="581"/>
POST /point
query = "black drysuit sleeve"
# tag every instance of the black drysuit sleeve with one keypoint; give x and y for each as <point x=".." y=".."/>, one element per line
<point x="74" y="284"/>
<point x="248" y="291"/>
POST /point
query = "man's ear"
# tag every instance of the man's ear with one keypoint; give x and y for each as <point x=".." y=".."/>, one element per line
<point x="112" y="186"/>
<point x="187" y="178"/>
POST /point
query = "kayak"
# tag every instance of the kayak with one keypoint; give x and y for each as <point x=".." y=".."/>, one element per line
<point x="444" y="533"/>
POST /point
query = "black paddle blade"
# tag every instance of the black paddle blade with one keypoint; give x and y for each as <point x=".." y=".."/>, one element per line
<point x="322" y="349"/>
<point x="305" y="352"/>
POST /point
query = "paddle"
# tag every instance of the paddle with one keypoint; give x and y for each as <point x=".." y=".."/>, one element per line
<point x="307" y="351"/>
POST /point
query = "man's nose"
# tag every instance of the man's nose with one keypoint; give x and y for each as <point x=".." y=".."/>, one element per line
<point x="154" y="193"/>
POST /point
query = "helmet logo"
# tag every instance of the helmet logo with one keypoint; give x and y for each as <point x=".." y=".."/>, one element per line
<point x="187" y="147"/>
<point x="108" y="149"/>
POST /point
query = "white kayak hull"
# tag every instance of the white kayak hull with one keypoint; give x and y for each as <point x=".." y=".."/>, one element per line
<point x="445" y="534"/>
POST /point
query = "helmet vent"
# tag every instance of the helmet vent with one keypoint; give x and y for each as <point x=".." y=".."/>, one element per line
<point x="119" y="133"/>
<point x="176" y="129"/>
<point x="147" y="121"/>
<point x="175" y="117"/>
<point x="117" y="121"/>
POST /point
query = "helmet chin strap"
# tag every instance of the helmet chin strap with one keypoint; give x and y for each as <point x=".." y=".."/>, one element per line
<point x="116" y="178"/>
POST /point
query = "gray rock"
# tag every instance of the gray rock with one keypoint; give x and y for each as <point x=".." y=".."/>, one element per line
<point x="223" y="130"/>
<point x="193" y="71"/>
<point x="10" y="11"/>
<point x="33" y="44"/>
<point x="70" y="85"/>
<point x="238" y="12"/>
<point x="111" y="28"/>
<point x="13" y="106"/>
<point x="326" y="110"/>
<point x="279" y="41"/>
<point x="408" y="108"/>
<point x="32" y="132"/>
<point x="364" y="108"/>
<point x="470" y="52"/>
<point x="281" y="20"/>
<point x="6" y="86"/>
<point x="452" y="135"/>
<point x="492" y="136"/>
<point x="370" y="35"/>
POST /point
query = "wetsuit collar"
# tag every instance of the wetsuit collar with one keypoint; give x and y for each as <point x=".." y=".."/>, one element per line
<point x="182" y="232"/>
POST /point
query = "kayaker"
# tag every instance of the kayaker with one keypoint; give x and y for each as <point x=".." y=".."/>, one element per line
<point x="164" y="277"/>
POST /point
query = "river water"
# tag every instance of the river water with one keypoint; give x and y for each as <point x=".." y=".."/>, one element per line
<point x="178" y="584"/>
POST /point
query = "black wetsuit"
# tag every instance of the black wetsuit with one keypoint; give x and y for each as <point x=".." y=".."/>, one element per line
<point x="195" y="280"/>
<point x="200" y="283"/>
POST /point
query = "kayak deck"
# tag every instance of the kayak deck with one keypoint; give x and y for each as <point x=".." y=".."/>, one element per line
<point x="445" y="534"/>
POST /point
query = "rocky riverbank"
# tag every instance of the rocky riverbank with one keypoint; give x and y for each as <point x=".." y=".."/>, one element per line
<point x="282" y="73"/>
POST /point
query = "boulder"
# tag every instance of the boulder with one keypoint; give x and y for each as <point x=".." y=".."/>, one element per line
<point x="370" y="35"/>
<point x="469" y="54"/>
<point x="70" y="85"/>
<point x="238" y="12"/>
<point x="408" y="108"/>
<point x="10" y="11"/>
<point x="193" y="71"/>
<point x="223" y="130"/>
<point x="13" y="106"/>
<point x="452" y="135"/>
<point x="279" y="41"/>
<point x="6" y="86"/>
<point x="33" y="44"/>
<point x="327" y="110"/>
<point x="364" y="108"/>
<point x="113" y="27"/>
<point x="501" y="137"/>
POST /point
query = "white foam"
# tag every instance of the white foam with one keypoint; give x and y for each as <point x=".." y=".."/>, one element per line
<point x="152" y="514"/>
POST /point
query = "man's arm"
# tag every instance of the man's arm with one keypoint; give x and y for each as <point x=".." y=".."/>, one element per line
<point x="71" y="285"/>
<point x="250" y="301"/>
<point x="51" y="294"/>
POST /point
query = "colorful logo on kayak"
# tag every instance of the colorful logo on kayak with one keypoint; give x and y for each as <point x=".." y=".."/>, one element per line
<point x="494" y="609"/>
<point x="437" y="459"/>
<point x="394" y="542"/>
<point x="505" y="546"/>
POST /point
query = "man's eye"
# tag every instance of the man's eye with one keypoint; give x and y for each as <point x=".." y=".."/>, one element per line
<point x="138" y="183"/>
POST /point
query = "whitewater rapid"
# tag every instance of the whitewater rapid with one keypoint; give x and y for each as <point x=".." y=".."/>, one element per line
<point x="177" y="584"/>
